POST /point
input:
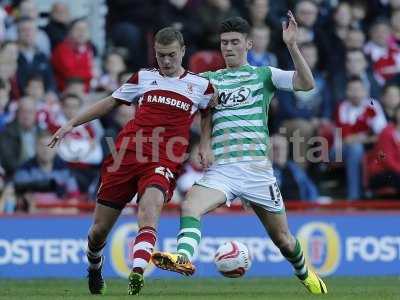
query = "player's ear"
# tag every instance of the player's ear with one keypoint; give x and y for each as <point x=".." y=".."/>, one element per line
<point x="249" y="43"/>
<point x="183" y="50"/>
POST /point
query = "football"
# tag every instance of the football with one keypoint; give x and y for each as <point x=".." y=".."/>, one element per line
<point x="232" y="259"/>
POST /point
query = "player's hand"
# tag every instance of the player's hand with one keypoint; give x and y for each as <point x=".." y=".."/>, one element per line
<point x="206" y="156"/>
<point x="290" y="30"/>
<point x="60" y="133"/>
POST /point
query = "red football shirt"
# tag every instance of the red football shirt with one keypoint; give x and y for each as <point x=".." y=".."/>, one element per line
<point x="166" y="107"/>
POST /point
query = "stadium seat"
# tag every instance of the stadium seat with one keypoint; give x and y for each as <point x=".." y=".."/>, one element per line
<point x="208" y="60"/>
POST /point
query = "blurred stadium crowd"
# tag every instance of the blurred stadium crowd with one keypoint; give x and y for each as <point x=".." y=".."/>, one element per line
<point x="49" y="73"/>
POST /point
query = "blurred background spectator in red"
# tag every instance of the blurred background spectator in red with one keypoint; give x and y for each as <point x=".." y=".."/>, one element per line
<point x="384" y="159"/>
<point x="360" y="120"/>
<point x="74" y="56"/>
<point x="81" y="148"/>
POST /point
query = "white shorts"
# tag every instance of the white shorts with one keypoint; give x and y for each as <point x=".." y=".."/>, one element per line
<point x="251" y="181"/>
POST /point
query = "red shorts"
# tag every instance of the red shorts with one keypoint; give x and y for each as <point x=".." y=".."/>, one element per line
<point x="118" y="187"/>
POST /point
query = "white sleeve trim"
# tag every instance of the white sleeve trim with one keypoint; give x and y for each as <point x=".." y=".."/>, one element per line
<point x="128" y="92"/>
<point x="282" y="80"/>
<point x="378" y="123"/>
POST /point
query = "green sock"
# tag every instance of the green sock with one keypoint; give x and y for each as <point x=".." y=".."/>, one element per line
<point x="189" y="237"/>
<point x="298" y="261"/>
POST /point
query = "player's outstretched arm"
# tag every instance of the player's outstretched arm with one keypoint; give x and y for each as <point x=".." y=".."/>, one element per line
<point x="95" y="111"/>
<point x="303" y="79"/>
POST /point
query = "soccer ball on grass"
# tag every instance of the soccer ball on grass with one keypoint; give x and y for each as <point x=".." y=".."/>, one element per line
<point x="232" y="259"/>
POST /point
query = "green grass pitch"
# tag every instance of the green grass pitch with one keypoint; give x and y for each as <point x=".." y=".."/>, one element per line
<point x="352" y="288"/>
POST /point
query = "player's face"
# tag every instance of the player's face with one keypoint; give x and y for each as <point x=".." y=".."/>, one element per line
<point x="169" y="58"/>
<point x="234" y="48"/>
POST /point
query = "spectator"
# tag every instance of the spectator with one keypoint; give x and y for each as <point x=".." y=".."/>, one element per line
<point x="81" y="147"/>
<point x="47" y="107"/>
<point x="359" y="13"/>
<point x="213" y="12"/>
<point x="27" y="9"/>
<point x="8" y="67"/>
<point x="385" y="57"/>
<point x="336" y="34"/>
<point x="394" y="39"/>
<point x="45" y="172"/>
<point x="306" y="12"/>
<point x="305" y="112"/>
<point x="356" y="64"/>
<point x="130" y="24"/>
<point x="390" y="100"/>
<point x="18" y="137"/>
<point x="75" y="85"/>
<point x="384" y="170"/>
<point x="30" y="60"/>
<point x="293" y="181"/>
<point x="259" y="15"/>
<point x="74" y="56"/>
<point x="182" y="15"/>
<point x="114" y="64"/>
<point x="5" y="114"/>
<point x="258" y="55"/>
<point x="57" y="27"/>
<point x="35" y="88"/>
<point x="360" y="120"/>
<point x="355" y="39"/>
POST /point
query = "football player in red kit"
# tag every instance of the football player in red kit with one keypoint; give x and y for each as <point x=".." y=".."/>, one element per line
<point x="148" y="153"/>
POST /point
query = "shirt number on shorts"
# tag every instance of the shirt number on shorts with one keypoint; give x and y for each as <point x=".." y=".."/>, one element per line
<point x="164" y="172"/>
<point x="275" y="194"/>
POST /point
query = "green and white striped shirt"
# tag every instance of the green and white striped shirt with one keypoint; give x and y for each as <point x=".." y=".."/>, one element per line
<point x="240" y="131"/>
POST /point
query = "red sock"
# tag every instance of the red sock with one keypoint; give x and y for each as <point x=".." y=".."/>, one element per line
<point x="143" y="248"/>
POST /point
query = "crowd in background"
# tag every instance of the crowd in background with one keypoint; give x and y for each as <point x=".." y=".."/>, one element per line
<point x="349" y="124"/>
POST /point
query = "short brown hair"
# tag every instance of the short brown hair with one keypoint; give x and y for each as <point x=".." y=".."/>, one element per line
<point x="168" y="35"/>
<point x="235" y="24"/>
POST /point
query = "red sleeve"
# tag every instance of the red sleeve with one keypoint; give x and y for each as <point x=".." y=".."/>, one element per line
<point x="134" y="79"/>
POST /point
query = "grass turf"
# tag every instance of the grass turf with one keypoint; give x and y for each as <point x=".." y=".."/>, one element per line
<point x="352" y="288"/>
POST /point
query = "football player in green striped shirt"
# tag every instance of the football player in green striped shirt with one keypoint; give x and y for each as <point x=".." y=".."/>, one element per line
<point x="235" y="138"/>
